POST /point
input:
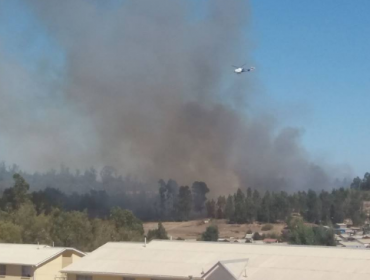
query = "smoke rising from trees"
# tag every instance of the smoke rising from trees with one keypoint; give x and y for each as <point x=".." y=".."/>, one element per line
<point x="147" y="86"/>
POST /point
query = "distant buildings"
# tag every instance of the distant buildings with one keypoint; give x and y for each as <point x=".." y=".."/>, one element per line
<point x="351" y="237"/>
<point x="249" y="238"/>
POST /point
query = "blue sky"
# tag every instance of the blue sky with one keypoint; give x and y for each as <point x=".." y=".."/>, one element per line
<point x="313" y="60"/>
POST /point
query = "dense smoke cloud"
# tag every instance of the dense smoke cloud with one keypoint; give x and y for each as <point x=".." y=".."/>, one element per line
<point x="147" y="87"/>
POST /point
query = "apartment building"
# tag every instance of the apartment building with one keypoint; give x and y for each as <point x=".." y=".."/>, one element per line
<point x="31" y="262"/>
<point x="175" y="260"/>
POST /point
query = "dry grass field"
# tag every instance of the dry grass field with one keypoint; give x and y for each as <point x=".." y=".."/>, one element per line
<point x="194" y="229"/>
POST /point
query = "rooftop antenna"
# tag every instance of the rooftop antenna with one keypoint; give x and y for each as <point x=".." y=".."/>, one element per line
<point x="145" y="241"/>
<point x="38" y="244"/>
<point x="53" y="243"/>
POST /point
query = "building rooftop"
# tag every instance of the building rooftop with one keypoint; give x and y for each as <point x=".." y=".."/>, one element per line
<point x="178" y="259"/>
<point x="29" y="254"/>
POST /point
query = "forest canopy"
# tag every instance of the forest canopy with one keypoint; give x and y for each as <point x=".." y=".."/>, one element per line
<point x="81" y="211"/>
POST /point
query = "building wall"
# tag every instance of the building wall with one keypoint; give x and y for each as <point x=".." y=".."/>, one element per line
<point x="14" y="272"/>
<point x="103" y="277"/>
<point x="50" y="270"/>
<point x="69" y="257"/>
<point x="47" y="271"/>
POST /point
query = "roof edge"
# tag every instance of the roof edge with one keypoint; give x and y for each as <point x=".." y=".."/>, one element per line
<point x="238" y="260"/>
<point x="130" y="275"/>
<point x="61" y="252"/>
<point x="209" y="272"/>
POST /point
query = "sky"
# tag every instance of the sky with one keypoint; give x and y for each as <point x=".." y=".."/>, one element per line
<point x="314" y="63"/>
<point x="312" y="60"/>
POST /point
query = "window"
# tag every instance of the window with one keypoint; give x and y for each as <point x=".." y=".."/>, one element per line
<point x="2" y="269"/>
<point x="84" y="277"/>
<point x="26" y="271"/>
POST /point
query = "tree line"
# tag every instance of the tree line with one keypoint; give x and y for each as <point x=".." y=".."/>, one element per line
<point x="98" y="191"/>
<point x="86" y="221"/>
<point x="325" y="207"/>
<point x="21" y="222"/>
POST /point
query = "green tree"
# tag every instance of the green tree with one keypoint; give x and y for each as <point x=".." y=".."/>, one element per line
<point x="301" y="234"/>
<point x="356" y="183"/>
<point x="14" y="197"/>
<point x="35" y="228"/>
<point x="313" y="207"/>
<point x="324" y="236"/>
<point x="256" y="197"/>
<point x="229" y="208"/>
<point x="366" y="229"/>
<point x="167" y="197"/>
<point x="354" y="208"/>
<point x="159" y="233"/>
<point x="264" y="211"/>
<point x="221" y="205"/>
<point x="211" y="209"/>
<point x="326" y="203"/>
<point x="211" y="234"/>
<point x="184" y="203"/>
<point x="199" y="190"/>
<point x="250" y="210"/>
<point x="71" y="229"/>
<point x="280" y="208"/>
<point x="10" y="233"/>
<point x="103" y="231"/>
<point x="240" y="207"/>
<point x="365" y="184"/>
<point x="126" y="219"/>
<point x="337" y="209"/>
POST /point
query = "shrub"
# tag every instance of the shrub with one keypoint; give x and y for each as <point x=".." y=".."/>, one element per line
<point x="257" y="236"/>
<point x="267" y="227"/>
<point x="211" y="234"/>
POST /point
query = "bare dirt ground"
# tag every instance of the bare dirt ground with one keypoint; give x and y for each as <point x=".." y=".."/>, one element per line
<point x="194" y="229"/>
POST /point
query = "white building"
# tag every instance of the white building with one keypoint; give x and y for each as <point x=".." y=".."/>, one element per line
<point x="219" y="261"/>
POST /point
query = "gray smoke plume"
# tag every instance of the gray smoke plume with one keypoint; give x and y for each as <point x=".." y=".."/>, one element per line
<point x="147" y="87"/>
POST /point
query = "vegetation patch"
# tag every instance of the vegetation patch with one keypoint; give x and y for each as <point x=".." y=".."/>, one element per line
<point x="267" y="227"/>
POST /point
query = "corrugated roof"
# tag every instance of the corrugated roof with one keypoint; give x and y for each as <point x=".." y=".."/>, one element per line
<point x="29" y="254"/>
<point x="181" y="259"/>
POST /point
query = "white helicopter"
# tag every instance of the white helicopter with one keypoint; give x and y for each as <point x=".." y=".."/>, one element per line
<point x="241" y="69"/>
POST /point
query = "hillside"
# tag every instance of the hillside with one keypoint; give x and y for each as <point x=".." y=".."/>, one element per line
<point x="193" y="229"/>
